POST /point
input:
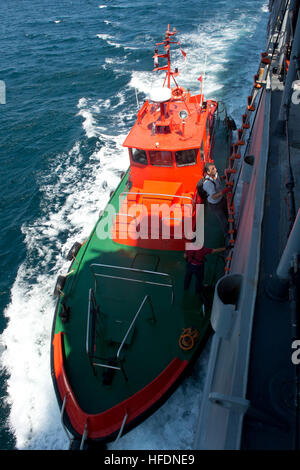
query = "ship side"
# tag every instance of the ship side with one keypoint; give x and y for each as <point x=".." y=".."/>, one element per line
<point x="252" y="390"/>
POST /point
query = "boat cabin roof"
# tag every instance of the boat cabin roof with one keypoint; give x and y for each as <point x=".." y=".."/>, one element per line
<point x="171" y="126"/>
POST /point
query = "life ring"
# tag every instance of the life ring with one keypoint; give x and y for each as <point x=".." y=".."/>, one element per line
<point x="186" y="342"/>
<point x="188" y="338"/>
<point x="178" y="93"/>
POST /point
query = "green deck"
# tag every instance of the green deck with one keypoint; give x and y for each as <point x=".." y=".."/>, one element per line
<point x="153" y="344"/>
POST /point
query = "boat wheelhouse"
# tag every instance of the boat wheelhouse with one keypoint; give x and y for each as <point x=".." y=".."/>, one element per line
<point x="168" y="145"/>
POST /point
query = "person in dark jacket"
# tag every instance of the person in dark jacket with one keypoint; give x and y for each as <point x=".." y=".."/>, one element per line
<point x="195" y="266"/>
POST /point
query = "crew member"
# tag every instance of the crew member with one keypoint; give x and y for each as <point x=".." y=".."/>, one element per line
<point x="215" y="195"/>
<point x="195" y="265"/>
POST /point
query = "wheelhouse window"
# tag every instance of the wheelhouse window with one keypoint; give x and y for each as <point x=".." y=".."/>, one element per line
<point x="139" y="156"/>
<point x="160" y="158"/>
<point x="186" y="157"/>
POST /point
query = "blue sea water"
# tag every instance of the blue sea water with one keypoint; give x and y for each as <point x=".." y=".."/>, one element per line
<point x="72" y="70"/>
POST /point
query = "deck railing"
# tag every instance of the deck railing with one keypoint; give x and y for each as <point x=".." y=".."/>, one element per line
<point x="180" y="196"/>
<point x="116" y="362"/>
<point x="165" y="276"/>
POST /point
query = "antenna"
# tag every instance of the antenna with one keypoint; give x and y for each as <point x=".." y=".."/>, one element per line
<point x="203" y="79"/>
<point x="137" y="100"/>
<point x="204" y="67"/>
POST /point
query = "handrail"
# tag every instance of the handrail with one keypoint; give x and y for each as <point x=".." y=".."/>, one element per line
<point x="172" y="218"/>
<point x="107" y="366"/>
<point x="163" y="218"/>
<point x="131" y="269"/>
<point x="117" y="359"/>
<point x="159" y="194"/>
<point x="124" y="214"/>
<point x="91" y="300"/>
<point x="62" y="419"/>
<point x="84" y="436"/>
<point x="147" y="297"/>
<point x="122" y="427"/>
<point x="131" y="279"/>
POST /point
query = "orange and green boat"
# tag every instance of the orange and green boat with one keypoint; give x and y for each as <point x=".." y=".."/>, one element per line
<point x="125" y="332"/>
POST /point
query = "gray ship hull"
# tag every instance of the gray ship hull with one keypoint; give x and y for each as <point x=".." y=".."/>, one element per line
<point x="251" y="397"/>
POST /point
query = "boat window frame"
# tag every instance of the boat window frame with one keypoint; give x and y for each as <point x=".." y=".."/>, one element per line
<point x="180" y="165"/>
<point x="161" y="166"/>
<point x="137" y="163"/>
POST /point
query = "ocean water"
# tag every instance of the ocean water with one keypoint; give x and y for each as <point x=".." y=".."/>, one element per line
<point x="72" y="70"/>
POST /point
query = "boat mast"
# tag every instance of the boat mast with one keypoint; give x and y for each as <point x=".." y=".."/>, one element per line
<point x="166" y="43"/>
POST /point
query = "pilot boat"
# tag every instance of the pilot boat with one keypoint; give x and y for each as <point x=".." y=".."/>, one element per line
<point x="125" y="332"/>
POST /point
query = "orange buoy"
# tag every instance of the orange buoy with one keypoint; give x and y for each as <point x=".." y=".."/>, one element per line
<point x="188" y="338"/>
<point x="251" y="106"/>
<point x="245" y="124"/>
<point x="256" y="85"/>
<point x="241" y="140"/>
<point x="178" y="93"/>
<point x="264" y="58"/>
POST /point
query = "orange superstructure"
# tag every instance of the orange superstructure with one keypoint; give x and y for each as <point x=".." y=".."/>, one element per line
<point x="168" y="147"/>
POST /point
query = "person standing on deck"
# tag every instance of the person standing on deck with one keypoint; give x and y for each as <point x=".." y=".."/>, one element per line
<point x="195" y="266"/>
<point x="215" y="195"/>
